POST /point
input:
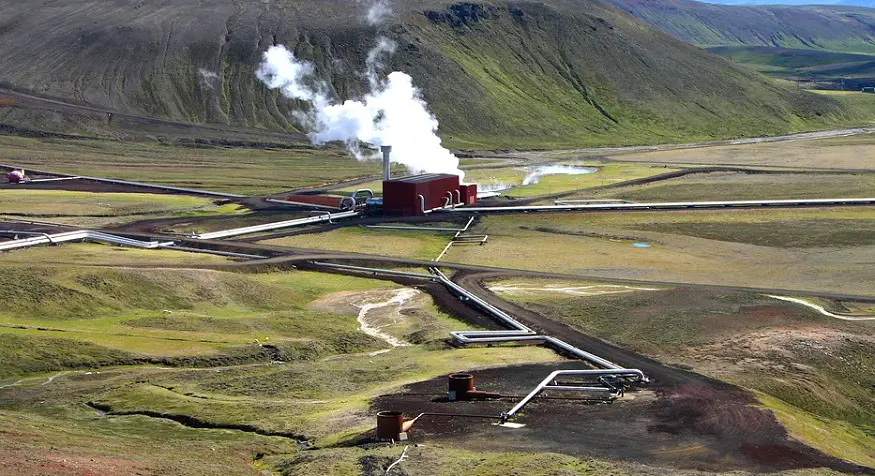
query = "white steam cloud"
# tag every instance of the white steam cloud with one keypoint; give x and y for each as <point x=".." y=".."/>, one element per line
<point x="208" y="78"/>
<point x="379" y="11"/>
<point x="392" y="113"/>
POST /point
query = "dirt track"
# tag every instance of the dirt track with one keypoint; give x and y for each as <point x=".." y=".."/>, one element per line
<point x="680" y="420"/>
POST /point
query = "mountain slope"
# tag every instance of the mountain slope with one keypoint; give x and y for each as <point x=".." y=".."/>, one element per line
<point x="560" y="72"/>
<point x="850" y="3"/>
<point x="832" y="28"/>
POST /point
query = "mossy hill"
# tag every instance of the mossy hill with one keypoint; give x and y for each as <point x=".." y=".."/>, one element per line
<point x="819" y="27"/>
<point x="526" y="74"/>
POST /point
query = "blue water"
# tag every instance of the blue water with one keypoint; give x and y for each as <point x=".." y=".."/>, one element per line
<point x="642" y="245"/>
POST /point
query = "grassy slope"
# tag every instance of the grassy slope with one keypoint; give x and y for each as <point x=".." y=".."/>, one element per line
<point x="843" y="29"/>
<point x="555" y="73"/>
<point x="69" y="317"/>
<point x="88" y="209"/>
<point x="235" y="170"/>
<point x="320" y="393"/>
<point x="799" y="63"/>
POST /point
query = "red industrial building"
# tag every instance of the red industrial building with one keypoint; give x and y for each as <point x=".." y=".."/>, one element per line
<point x="410" y="195"/>
<point x="469" y="193"/>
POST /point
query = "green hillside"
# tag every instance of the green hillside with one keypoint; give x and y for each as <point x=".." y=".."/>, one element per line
<point x="789" y="63"/>
<point x="553" y="73"/>
<point x="820" y="27"/>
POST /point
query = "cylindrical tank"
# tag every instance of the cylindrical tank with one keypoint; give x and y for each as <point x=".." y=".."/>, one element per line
<point x="389" y="425"/>
<point x="15" y="176"/>
<point x="459" y="386"/>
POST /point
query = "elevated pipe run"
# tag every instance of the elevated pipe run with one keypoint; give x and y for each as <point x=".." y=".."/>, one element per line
<point x="292" y="203"/>
<point x="374" y="271"/>
<point x="192" y="191"/>
<point x="248" y="230"/>
<point x="594" y="200"/>
<point x="634" y="375"/>
<point x="82" y="235"/>
<point x="521" y="333"/>
<point x="15" y="234"/>
<point x="828" y="202"/>
<point x="59" y="179"/>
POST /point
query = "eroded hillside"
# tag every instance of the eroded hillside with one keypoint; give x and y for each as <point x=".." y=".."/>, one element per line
<point x="511" y="73"/>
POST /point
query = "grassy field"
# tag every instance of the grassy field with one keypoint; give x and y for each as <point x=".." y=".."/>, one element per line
<point x="813" y="371"/>
<point x="852" y="153"/>
<point x="410" y="244"/>
<point x="788" y="63"/>
<point x="233" y="170"/>
<point x="94" y="210"/>
<point x="87" y="254"/>
<point x="750" y="248"/>
<point x="278" y="353"/>
<point x="607" y="173"/>
<point x="741" y="186"/>
<point x="123" y="316"/>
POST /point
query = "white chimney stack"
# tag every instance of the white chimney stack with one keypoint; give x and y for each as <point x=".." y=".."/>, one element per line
<point x="387" y="152"/>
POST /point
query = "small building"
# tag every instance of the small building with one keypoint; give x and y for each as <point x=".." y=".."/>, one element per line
<point x="469" y="193"/>
<point x="410" y="195"/>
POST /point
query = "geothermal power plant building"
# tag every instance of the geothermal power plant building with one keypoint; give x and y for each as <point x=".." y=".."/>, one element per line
<point x="417" y="194"/>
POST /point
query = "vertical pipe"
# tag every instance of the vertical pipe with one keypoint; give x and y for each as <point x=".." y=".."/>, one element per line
<point x="387" y="152"/>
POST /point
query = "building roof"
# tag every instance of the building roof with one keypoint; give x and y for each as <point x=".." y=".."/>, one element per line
<point x="423" y="178"/>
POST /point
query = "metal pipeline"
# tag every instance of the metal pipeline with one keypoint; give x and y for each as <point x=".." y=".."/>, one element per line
<point x="82" y="235"/>
<point x="422" y="205"/>
<point x="363" y="190"/>
<point x="374" y="271"/>
<point x="827" y="202"/>
<point x="521" y="333"/>
<point x="348" y="200"/>
<point x="634" y="374"/>
<point x="274" y="226"/>
<point x="15" y="234"/>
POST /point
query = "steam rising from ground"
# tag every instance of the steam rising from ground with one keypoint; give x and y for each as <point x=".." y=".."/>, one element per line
<point x="378" y="12"/>
<point x="391" y="113"/>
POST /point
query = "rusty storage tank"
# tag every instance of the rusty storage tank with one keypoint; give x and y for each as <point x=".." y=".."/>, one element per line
<point x="459" y="386"/>
<point x="390" y="425"/>
<point x="15" y="176"/>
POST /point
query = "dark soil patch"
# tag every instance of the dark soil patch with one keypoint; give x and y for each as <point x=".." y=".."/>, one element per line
<point x="683" y="420"/>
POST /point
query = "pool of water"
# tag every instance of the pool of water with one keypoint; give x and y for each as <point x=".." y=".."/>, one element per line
<point x="534" y="174"/>
<point x="642" y="245"/>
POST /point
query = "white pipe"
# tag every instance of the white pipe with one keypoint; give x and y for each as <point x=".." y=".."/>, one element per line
<point x="635" y="374"/>
<point x="520" y="333"/>
<point x="300" y="204"/>
<point x="59" y="179"/>
<point x="566" y="202"/>
<point x="274" y="226"/>
<point x="422" y="205"/>
<point x="675" y="205"/>
<point x="375" y="271"/>
<point x="82" y="235"/>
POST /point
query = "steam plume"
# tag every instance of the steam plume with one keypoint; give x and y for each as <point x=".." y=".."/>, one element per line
<point x="392" y="113"/>
<point x="378" y="12"/>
